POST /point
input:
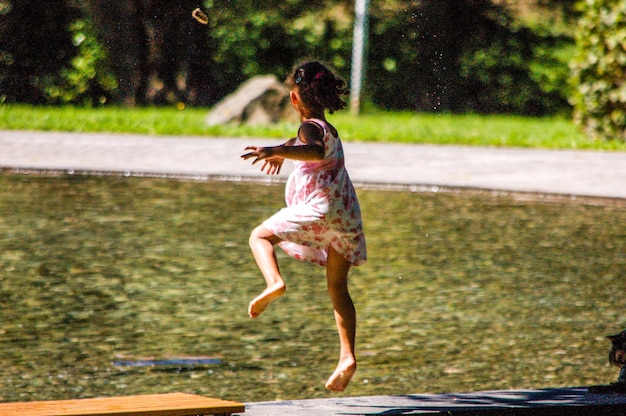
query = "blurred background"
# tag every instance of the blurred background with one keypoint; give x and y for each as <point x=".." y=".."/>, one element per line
<point x="438" y="55"/>
<point x="528" y="57"/>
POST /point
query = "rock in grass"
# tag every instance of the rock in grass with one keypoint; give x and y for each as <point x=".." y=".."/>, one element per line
<point x="262" y="100"/>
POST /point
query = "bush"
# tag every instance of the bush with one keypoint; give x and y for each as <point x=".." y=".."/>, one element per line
<point x="90" y="80"/>
<point x="468" y="56"/>
<point x="34" y="47"/>
<point x="270" y="37"/>
<point x="599" y="69"/>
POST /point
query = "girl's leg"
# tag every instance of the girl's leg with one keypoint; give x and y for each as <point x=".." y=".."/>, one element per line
<point x="262" y="243"/>
<point x="337" y="270"/>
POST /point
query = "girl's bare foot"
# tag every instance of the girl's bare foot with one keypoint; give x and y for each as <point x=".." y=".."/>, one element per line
<point x="342" y="375"/>
<point x="269" y="295"/>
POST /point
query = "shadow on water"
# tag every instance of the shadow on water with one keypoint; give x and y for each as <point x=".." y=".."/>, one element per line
<point x="461" y="293"/>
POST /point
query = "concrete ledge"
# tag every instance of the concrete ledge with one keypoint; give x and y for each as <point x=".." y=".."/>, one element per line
<point x="551" y="402"/>
<point x="531" y="171"/>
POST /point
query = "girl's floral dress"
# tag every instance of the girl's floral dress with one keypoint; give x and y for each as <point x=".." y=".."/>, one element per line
<point x="322" y="209"/>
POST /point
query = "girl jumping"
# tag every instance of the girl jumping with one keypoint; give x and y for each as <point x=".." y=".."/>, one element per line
<point x="322" y="221"/>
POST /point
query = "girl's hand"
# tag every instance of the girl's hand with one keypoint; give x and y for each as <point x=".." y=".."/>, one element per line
<point x="272" y="164"/>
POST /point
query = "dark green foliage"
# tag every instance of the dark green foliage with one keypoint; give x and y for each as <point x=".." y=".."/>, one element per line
<point x="599" y="69"/>
<point x="35" y="46"/>
<point x="457" y="57"/>
<point x="90" y="80"/>
<point x="157" y="52"/>
<point x="254" y="38"/>
<point x="427" y="55"/>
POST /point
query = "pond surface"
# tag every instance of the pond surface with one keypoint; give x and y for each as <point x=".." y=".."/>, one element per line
<point x="461" y="293"/>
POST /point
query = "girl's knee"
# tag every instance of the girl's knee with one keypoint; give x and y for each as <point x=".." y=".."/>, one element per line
<point x="255" y="236"/>
<point x="262" y="233"/>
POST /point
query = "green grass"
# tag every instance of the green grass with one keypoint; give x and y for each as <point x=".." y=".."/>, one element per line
<point x="403" y="127"/>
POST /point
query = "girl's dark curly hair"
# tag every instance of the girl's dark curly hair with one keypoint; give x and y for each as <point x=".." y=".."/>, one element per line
<point x="318" y="87"/>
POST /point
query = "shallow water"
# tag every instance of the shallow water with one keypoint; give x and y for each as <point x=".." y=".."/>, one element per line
<point x="461" y="292"/>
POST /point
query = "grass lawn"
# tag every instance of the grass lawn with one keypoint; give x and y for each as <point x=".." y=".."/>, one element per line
<point x="403" y="127"/>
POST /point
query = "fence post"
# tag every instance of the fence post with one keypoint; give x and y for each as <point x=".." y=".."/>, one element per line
<point x="359" y="49"/>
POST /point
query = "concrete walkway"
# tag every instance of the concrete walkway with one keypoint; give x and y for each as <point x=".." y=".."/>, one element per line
<point x="557" y="172"/>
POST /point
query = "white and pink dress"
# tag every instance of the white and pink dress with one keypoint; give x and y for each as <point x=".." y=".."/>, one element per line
<point x="322" y="209"/>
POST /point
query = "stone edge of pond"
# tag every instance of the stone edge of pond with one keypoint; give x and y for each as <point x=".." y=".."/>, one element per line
<point x="521" y="196"/>
<point x="550" y="401"/>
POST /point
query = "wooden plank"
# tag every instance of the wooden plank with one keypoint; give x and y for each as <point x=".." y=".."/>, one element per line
<point x="172" y="404"/>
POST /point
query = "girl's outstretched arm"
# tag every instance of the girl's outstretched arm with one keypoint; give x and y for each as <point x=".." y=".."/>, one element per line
<point x="272" y="164"/>
<point x="273" y="156"/>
